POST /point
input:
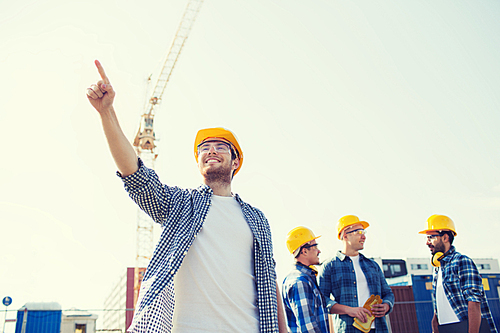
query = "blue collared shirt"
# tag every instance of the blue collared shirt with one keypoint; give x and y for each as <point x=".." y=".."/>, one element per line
<point x="181" y="212"/>
<point x="338" y="279"/>
<point x="305" y="306"/>
<point x="462" y="283"/>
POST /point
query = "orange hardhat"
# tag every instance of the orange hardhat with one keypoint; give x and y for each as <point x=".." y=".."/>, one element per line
<point x="438" y="223"/>
<point x="349" y="220"/>
<point x="218" y="133"/>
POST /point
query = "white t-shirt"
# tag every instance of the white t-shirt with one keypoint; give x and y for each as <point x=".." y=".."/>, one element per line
<point x="445" y="313"/>
<point x="361" y="284"/>
<point x="215" y="287"/>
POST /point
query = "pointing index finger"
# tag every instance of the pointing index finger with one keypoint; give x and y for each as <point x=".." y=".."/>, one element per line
<point x="100" y="69"/>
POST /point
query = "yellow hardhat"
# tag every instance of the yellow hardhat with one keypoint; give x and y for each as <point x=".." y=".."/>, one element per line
<point x="439" y="222"/>
<point x="348" y="220"/>
<point x="220" y="134"/>
<point x="297" y="237"/>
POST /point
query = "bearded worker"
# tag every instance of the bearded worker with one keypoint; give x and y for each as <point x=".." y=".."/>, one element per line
<point x="305" y="306"/>
<point x="458" y="296"/>
<point x="213" y="268"/>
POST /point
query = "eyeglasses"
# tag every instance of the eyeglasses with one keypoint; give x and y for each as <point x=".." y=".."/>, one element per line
<point x="309" y="246"/>
<point x="357" y="231"/>
<point x="431" y="237"/>
<point x="219" y="147"/>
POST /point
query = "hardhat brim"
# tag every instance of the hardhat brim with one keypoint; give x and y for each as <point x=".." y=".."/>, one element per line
<point x="427" y="230"/>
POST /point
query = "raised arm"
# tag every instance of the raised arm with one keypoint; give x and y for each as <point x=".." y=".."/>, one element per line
<point x="101" y="96"/>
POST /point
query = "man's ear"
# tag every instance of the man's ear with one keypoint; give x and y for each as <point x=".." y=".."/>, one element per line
<point x="235" y="163"/>
<point x="446" y="238"/>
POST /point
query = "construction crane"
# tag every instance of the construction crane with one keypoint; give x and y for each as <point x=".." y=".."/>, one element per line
<point x="144" y="141"/>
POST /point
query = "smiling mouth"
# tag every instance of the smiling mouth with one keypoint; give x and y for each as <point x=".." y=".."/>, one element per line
<point x="212" y="160"/>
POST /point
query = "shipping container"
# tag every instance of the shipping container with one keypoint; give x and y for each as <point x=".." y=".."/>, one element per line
<point x="422" y="287"/>
<point x="491" y="285"/>
<point x="41" y="318"/>
<point x="403" y="316"/>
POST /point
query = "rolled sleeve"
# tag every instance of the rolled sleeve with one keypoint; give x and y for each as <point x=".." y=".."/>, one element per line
<point x="137" y="180"/>
<point x="471" y="282"/>
<point x="329" y="303"/>
<point x="153" y="197"/>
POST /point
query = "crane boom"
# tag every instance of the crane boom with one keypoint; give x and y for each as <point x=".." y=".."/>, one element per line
<point x="145" y="137"/>
<point x="192" y="9"/>
<point x="144" y="141"/>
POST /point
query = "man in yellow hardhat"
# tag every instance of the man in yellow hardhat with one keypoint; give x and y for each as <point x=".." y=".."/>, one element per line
<point x="304" y="304"/>
<point x="214" y="260"/>
<point x="351" y="279"/>
<point x="458" y="297"/>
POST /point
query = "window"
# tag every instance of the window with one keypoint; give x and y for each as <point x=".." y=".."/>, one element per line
<point x="394" y="267"/>
<point x="484" y="266"/>
<point x="80" y="328"/>
<point x="415" y="267"/>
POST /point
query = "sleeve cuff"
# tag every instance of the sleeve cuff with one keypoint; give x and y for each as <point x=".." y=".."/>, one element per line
<point x="329" y="304"/>
<point x="137" y="180"/>
<point x="474" y="295"/>
<point x="390" y="306"/>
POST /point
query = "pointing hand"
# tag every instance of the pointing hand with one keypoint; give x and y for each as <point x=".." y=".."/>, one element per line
<point x="101" y="94"/>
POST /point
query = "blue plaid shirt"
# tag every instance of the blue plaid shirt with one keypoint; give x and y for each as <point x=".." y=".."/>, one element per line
<point x="462" y="283"/>
<point x="182" y="213"/>
<point x="305" y="306"/>
<point x="337" y="279"/>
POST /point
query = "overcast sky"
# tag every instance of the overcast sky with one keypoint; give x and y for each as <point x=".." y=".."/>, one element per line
<point x="388" y="110"/>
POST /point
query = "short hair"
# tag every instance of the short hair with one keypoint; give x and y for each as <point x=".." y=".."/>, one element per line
<point x="449" y="233"/>
<point x="298" y="252"/>
<point x="234" y="155"/>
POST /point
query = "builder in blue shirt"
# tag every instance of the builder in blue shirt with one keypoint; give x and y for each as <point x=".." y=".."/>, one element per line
<point x="305" y="306"/>
<point x="350" y="278"/>
<point x="458" y="296"/>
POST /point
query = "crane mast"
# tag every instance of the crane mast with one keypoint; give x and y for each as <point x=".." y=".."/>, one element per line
<point x="144" y="141"/>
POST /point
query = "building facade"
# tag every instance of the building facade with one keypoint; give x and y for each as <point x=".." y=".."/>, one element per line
<point x="120" y="304"/>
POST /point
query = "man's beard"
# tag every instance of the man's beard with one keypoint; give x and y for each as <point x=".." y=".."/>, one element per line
<point x="220" y="175"/>
<point x="439" y="247"/>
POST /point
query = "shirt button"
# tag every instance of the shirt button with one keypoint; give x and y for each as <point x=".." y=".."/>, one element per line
<point x="354" y="282"/>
